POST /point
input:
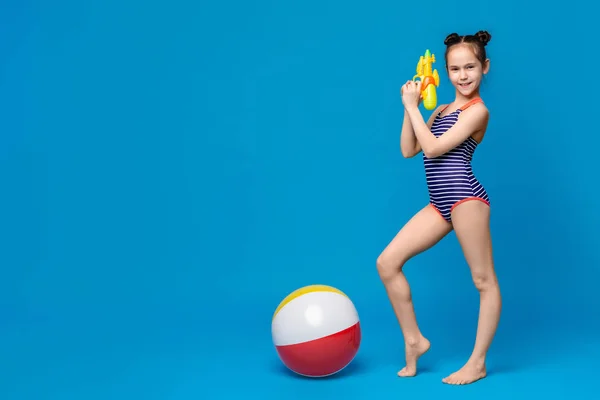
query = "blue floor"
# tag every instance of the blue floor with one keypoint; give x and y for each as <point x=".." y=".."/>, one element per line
<point x="160" y="158"/>
<point x="178" y="361"/>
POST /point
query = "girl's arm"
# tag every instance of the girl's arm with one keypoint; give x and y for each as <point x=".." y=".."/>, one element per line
<point x="409" y="145"/>
<point x="472" y="120"/>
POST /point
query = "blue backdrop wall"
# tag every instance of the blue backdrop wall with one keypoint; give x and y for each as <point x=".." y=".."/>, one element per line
<point x="171" y="171"/>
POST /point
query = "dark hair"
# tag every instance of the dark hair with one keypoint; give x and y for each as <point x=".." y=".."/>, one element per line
<point x="476" y="41"/>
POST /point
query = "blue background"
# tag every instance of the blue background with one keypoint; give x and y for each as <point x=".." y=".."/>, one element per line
<point x="170" y="171"/>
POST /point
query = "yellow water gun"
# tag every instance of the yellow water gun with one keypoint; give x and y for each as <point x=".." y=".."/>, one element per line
<point x="429" y="79"/>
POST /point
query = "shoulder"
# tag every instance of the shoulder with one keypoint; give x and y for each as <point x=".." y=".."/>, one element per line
<point x="477" y="113"/>
<point x="480" y="108"/>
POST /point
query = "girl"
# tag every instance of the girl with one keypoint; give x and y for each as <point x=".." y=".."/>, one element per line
<point x="457" y="201"/>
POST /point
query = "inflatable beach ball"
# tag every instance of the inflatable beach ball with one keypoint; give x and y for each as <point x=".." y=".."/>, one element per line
<point x="316" y="331"/>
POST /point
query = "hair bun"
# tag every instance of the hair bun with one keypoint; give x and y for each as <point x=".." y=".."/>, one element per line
<point x="451" y="39"/>
<point x="484" y="37"/>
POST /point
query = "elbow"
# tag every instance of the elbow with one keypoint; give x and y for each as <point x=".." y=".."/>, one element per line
<point x="405" y="152"/>
<point x="408" y="153"/>
<point x="431" y="153"/>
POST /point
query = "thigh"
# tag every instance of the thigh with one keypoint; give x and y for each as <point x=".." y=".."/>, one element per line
<point x="420" y="233"/>
<point x="471" y="221"/>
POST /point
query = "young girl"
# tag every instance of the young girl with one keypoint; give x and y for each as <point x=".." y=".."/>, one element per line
<point x="457" y="201"/>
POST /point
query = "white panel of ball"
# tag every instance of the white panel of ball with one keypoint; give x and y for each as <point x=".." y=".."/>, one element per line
<point x="312" y="316"/>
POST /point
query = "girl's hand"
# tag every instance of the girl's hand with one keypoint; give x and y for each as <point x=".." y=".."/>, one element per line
<point x="411" y="94"/>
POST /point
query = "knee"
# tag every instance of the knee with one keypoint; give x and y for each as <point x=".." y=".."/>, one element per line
<point x="387" y="267"/>
<point x="485" y="281"/>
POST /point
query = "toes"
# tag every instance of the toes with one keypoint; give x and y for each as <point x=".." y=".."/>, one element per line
<point x="406" y="372"/>
<point x="457" y="380"/>
<point x="449" y="379"/>
<point x="452" y="379"/>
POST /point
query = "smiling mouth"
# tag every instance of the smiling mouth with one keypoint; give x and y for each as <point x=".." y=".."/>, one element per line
<point x="464" y="84"/>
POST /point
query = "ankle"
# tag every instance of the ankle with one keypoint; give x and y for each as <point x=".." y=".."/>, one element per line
<point x="414" y="340"/>
<point x="477" y="360"/>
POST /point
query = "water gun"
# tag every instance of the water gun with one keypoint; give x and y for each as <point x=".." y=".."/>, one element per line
<point x="429" y="79"/>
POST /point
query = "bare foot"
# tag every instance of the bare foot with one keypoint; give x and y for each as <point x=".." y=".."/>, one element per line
<point x="469" y="373"/>
<point x="413" y="352"/>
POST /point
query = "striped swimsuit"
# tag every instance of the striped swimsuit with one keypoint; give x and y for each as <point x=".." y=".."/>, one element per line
<point x="450" y="179"/>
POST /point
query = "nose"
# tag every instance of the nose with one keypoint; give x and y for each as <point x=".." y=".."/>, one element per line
<point x="463" y="74"/>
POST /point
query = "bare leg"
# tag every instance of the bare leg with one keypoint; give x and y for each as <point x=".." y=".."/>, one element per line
<point x="471" y="224"/>
<point x="420" y="233"/>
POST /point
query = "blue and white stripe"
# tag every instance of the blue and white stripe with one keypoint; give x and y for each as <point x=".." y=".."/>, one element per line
<point x="450" y="177"/>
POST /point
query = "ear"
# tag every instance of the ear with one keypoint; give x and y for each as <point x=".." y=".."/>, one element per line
<point x="486" y="66"/>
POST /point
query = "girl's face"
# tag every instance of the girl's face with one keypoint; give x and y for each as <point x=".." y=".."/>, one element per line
<point x="465" y="70"/>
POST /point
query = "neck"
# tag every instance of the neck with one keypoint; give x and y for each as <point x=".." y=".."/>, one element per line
<point x="461" y="99"/>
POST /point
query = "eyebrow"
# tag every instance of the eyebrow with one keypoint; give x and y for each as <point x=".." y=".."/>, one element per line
<point x="455" y="66"/>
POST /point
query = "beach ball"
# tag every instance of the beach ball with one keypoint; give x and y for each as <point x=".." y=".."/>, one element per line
<point x="316" y="331"/>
